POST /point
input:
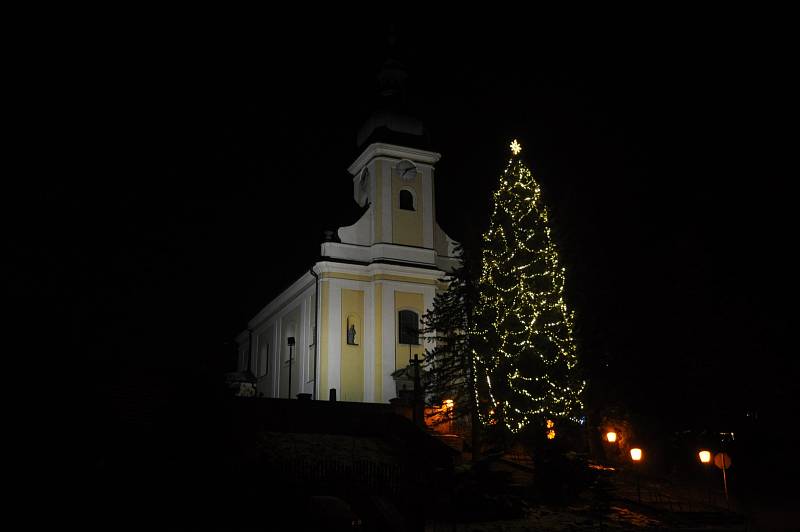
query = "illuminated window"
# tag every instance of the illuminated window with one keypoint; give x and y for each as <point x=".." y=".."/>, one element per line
<point x="409" y="327"/>
<point x="406" y="200"/>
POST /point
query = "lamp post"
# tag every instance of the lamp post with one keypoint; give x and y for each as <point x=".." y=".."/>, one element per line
<point x="412" y="336"/>
<point x="611" y="437"/>
<point x="705" y="459"/>
<point x="290" y="341"/>
<point x="636" y="456"/>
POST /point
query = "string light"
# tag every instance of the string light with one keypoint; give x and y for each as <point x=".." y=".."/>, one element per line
<point x="524" y="330"/>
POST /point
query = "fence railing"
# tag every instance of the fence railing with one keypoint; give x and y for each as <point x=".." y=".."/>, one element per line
<point x="359" y="475"/>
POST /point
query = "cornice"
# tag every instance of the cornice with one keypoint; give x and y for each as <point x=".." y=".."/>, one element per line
<point x="379" y="149"/>
<point x="283" y="299"/>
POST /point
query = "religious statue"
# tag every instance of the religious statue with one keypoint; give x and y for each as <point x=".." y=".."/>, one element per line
<point x="351" y="334"/>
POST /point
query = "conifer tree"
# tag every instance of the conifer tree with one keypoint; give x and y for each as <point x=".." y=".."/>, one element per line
<point x="450" y="371"/>
<point x="522" y="337"/>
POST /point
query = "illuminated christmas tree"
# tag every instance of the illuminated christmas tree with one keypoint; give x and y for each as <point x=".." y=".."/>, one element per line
<point x="523" y="338"/>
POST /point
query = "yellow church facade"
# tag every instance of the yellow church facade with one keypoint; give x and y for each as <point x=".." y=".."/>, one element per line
<point x="355" y="317"/>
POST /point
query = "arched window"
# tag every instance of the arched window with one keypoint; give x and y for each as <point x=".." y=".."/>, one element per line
<point x="406" y="200"/>
<point x="408" y="321"/>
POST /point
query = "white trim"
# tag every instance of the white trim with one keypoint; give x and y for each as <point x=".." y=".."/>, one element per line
<point x="335" y="337"/>
<point x="428" y="294"/>
<point x="368" y="337"/>
<point x="283" y="300"/>
<point x="371" y="270"/>
<point x="374" y="206"/>
<point x="308" y="379"/>
<point x="376" y="252"/>
<point x="387" y="349"/>
<point x="278" y="356"/>
<point x="427" y="208"/>
<point x="386" y="201"/>
<point x="379" y="149"/>
<point x="318" y="333"/>
<point x="302" y="348"/>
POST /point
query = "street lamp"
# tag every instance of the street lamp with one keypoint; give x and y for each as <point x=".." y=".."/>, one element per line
<point x="636" y="456"/>
<point x="551" y="431"/>
<point x="705" y="459"/>
<point x="611" y="436"/>
<point x="447" y="412"/>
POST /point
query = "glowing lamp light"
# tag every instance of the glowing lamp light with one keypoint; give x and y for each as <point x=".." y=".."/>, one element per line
<point x="448" y="404"/>
<point x="549" y="424"/>
<point x="611" y="436"/>
<point x="705" y="456"/>
<point x="636" y="454"/>
<point x="551" y="434"/>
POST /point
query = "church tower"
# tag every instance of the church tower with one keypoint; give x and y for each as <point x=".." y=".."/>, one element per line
<point x="356" y="316"/>
<point x="396" y="184"/>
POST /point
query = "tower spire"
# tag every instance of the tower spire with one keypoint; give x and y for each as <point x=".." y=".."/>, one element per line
<point x="390" y="120"/>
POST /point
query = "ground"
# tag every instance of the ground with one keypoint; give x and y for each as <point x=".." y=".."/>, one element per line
<point x="665" y="505"/>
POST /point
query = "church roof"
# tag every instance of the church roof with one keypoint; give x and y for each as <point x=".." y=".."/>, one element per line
<point x="390" y="121"/>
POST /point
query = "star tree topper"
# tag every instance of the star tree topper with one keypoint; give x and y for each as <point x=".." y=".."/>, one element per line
<point x="515" y="147"/>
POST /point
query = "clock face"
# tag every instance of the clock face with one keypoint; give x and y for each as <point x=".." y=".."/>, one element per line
<point x="406" y="170"/>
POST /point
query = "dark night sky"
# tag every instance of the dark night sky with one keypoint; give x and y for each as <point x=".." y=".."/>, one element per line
<point x="221" y="161"/>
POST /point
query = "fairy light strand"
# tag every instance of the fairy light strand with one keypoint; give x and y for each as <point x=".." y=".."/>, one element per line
<point x="525" y="345"/>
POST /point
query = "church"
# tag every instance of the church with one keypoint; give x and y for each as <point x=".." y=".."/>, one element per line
<point x="355" y="317"/>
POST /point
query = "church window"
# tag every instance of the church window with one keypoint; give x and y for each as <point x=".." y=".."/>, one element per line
<point x="409" y="327"/>
<point x="406" y="200"/>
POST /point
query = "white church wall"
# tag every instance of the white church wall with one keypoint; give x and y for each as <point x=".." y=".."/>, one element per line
<point x="388" y="338"/>
<point x="383" y="172"/>
<point x="265" y="344"/>
<point x="297" y="289"/>
<point x="403" y="253"/>
<point x="290" y="323"/>
<point x="428" y="206"/>
<point x="334" y="359"/>
<point x="336" y="250"/>
<point x="360" y="233"/>
<point x="352" y="252"/>
<point x="287" y="315"/>
<point x="310" y="344"/>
